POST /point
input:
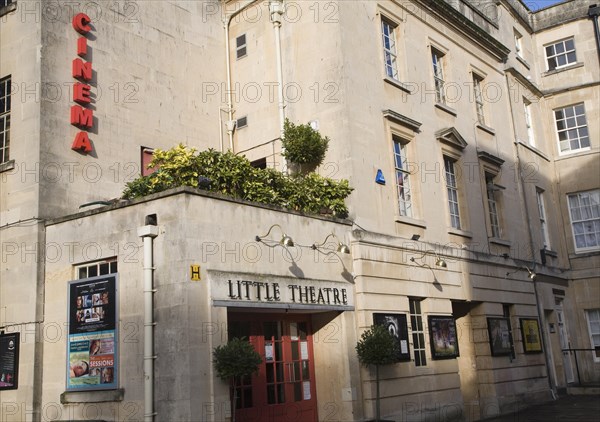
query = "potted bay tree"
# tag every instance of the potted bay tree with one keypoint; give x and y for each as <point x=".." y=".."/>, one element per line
<point x="233" y="361"/>
<point x="377" y="346"/>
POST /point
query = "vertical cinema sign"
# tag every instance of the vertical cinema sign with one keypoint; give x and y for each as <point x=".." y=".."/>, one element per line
<point x="82" y="117"/>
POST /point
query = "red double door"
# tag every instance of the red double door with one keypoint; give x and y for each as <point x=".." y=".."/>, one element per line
<point x="284" y="388"/>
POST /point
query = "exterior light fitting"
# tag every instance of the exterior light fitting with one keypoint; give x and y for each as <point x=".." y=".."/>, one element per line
<point x="530" y="274"/>
<point x="285" y="241"/>
<point x="439" y="262"/>
<point x="415" y="237"/>
<point x="341" y="247"/>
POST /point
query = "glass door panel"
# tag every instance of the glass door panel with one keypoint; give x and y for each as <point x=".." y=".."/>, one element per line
<point x="284" y="388"/>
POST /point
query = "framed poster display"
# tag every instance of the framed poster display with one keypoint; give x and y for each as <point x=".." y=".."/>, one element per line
<point x="530" y="332"/>
<point x="443" y="337"/>
<point x="397" y="326"/>
<point x="9" y="361"/>
<point x="499" y="335"/>
<point x="92" y="342"/>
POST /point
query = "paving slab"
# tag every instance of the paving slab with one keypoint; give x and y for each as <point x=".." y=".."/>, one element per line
<point x="584" y="408"/>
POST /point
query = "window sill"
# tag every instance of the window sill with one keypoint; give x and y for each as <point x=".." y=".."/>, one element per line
<point x="98" y="396"/>
<point x="523" y="62"/>
<point x="501" y="242"/>
<point x="573" y="153"/>
<point x="9" y="165"/>
<point x="563" y="69"/>
<point x="8" y="8"/>
<point x="584" y="254"/>
<point x="410" y="221"/>
<point x="447" y="109"/>
<point x="486" y="129"/>
<point x="458" y="232"/>
<point x="398" y="84"/>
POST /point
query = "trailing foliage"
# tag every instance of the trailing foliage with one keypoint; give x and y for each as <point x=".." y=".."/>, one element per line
<point x="303" y="145"/>
<point x="234" y="176"/>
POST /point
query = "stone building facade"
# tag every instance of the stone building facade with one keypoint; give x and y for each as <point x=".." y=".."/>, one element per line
<point x="469" y="131"/>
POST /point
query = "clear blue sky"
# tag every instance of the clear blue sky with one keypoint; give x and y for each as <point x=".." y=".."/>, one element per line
<point x="540" y="4"/>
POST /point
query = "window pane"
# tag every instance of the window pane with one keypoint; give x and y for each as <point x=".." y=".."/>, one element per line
<point x="585" y="219"/>
<point x="569" y="112"/>
<point x="571" y="125"/>
<point x="560" y="48"/>
<point x="104" y="268"/>
<point x="570" y="44"/>
<point x="389" y="49"/>
<point x="271" y="394"/>
<point x="241" y="40"/>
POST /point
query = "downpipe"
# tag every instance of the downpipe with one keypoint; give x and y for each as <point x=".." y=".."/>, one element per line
<point x="148" y="233"/>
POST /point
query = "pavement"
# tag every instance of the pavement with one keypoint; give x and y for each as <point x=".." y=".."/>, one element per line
<point x="580" y="408"/>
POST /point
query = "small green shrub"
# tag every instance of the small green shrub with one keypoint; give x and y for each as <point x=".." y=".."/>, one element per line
<point x="233" y="361"/>
<point x="377" y="347"/>
<point x="303" y="145"/>
<point x="237" y="358"/>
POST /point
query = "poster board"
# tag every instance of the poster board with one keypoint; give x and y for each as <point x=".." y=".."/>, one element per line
<point x="92" y="343"/>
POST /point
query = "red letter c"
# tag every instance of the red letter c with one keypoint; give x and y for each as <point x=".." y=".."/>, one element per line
<point x="80" y="23"/>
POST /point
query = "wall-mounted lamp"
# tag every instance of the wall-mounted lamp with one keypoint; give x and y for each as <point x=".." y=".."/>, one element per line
<point x="415" y="237"/>
<point x="439" y="262"/>
<point x="341" y="247"/>
<point x="531" y="275"/>
<point x="285" y="239"/>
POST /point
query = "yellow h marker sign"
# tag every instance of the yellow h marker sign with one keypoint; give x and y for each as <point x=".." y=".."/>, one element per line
<point x="195" y="272"/>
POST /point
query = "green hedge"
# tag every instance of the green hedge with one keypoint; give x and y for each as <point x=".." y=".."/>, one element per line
<point x="234" y="176"/>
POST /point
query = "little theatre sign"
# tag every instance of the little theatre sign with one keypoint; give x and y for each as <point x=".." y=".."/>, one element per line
<point x="250" y="290"/>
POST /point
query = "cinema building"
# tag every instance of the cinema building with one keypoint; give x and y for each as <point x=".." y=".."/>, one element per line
<point x="468" y="130"/>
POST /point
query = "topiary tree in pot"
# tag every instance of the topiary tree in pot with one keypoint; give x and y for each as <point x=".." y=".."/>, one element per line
<point x="377" y="346"/>
<point x="304" y="147"/>
<point x="235" y="360"/>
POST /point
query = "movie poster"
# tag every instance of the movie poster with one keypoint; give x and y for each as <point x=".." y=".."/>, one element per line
<point x="397" y="326"/>
<point x="92" y="341"/>
<point x="9" y="361"/>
